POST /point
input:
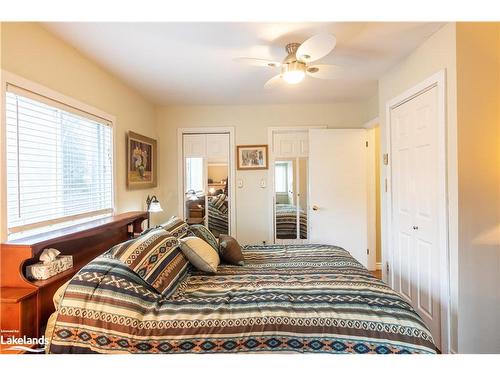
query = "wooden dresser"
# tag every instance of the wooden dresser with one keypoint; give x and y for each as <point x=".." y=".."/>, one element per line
<point x="26" y="305"/>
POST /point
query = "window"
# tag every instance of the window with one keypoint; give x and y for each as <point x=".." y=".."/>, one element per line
<point x="281" y="177"/>
<point x="59" y="162"/>
<point x="194" y="174"/>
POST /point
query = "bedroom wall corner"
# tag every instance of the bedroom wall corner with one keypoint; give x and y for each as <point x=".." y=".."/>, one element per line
<point x="438" y="52"/>
<point x="62" y="68"/>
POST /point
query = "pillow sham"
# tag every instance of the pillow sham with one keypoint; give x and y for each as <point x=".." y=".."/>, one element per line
<point x="204" y="233"/>
<point x="176" y="226"/>
<point x="230" y="250"/>
<point x="201" y="255"/>
<point x="156" y="258"/>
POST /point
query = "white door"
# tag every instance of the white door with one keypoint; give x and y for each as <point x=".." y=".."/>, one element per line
<point x="338" y="189"/>
<point x="415" y="176"/>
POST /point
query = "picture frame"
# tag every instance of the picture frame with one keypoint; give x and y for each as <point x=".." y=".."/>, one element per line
<point x="141" y="161"/>
<point x="252" y="157"/>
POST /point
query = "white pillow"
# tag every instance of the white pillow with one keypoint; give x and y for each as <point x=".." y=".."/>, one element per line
<point x="203" y="256"/>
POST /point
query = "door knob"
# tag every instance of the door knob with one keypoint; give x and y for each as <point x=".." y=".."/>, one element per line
<point x="315" y="208"/>
<point x="415" y="227"/>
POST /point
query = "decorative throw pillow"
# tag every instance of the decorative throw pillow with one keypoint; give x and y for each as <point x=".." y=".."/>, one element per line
<point x="230" y="250"/>
<point x="156" y="258"/>
<point x="204" y="233"/>
<point x="176" y="226"/>
<point x="201" y="255"/>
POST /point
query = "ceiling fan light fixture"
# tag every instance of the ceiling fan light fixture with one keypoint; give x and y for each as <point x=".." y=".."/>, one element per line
<point x="293" y="76"/>
<point x="293" y="72"/>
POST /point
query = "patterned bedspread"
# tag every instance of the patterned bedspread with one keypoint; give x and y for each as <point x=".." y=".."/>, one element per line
<point x="295" y="298"/>
<point x="286" y="222"/>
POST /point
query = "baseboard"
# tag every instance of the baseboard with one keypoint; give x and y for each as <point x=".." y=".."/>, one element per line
<point x="378" y="266"/>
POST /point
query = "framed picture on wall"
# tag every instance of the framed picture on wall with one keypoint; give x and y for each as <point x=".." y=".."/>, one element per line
<point x="252" y="157"/>
<point x="141" y="161"/>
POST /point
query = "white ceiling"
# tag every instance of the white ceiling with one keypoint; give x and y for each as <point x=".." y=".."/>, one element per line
<point x="192" y="63"/>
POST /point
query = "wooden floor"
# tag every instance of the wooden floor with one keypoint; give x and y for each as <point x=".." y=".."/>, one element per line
<point x="377" y="274"/>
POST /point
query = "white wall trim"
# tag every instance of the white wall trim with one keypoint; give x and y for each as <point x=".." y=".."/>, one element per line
<point x="270" y="140"/>
<point x="436" y="80"/>
<point x="371" y="199"/>
<point x="232" y="169"/>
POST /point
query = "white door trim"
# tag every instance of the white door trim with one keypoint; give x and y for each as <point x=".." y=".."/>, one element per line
<point x="232" y="169"/>
<point x="437" y="80"/>
<point x="270" y="140"/>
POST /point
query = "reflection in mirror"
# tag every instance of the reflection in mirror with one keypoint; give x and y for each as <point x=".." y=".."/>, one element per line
<point x="290" y="177"/>
<point x="285" y="210"/>
<point x="194" y="194"/>
<point x="218" y="198"/>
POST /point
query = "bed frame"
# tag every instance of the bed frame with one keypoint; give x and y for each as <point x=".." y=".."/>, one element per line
<point x="25" y="304"/>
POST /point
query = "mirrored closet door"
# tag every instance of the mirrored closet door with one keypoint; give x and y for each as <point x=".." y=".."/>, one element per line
<point x="207" y="193"/>
<point x="290" y="198"/>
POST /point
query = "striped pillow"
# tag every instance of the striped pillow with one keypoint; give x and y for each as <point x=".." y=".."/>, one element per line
<point x="156" y="258"/>
<point x="176" y="226"/>
<point x="204" y="233"/>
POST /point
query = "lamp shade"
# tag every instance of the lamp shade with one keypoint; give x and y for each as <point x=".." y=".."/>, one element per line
<point x="155" y="207"/>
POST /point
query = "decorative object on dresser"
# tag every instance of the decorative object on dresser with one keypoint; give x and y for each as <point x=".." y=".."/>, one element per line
<point x="26" y="304"/>
<point x="153" y="205"/>
<point x="141" y="161"/>
<point x="252" y="157"/>
<point x="50" y="265"/>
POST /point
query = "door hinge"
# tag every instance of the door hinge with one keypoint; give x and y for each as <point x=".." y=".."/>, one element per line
<point x="366" y="143"/>
<point x="387" y="267"/>
<point x="386" y="159"/>
<point x="368" y="251"/>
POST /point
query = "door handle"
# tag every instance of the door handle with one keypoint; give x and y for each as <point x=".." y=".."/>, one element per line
<point x="315" y="207"/>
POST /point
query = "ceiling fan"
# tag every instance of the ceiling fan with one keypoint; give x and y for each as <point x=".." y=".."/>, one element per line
<point x="296" y="64"/>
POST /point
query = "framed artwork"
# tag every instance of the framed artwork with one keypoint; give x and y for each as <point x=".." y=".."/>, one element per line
<point x="141" y="161"/>
<point x="252" y="157"/>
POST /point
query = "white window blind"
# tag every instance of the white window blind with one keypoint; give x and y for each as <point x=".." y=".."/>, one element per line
<point x="59" y="162"/>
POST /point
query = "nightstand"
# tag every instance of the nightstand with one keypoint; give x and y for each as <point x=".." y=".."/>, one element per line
<point x="18" y="312"/>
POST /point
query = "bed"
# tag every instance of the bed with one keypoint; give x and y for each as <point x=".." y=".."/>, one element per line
<point x="290" y="298"/>
<point x="286" y="222"/>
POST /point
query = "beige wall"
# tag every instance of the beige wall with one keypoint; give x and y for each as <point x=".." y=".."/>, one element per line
<point x="478" y="99"/>
<point x="435" y="54"/>
<point x="251" y="127"/>
<point x="32" y="52"/>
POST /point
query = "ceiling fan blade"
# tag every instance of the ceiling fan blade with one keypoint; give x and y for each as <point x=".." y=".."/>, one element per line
<point x="258" y="62"/>
<point x="273" y="82"/>
<point x="323" y="71"/>
<point x="316" y="47"/>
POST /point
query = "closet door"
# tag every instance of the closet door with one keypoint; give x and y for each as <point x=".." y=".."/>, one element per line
<point x="206" y="181"/>
<point x="290" y="169"/>
<point x="415" y="174"/>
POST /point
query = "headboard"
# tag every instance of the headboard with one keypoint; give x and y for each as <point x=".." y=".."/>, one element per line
<point x="84" y="242"/>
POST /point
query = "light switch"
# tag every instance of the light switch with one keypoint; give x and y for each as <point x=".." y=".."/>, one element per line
<point x="262" y="183"/>
<point x="239" y="183"/>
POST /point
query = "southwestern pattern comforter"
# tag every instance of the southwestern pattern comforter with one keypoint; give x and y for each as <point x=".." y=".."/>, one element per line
<point x="286" y="222"/>
<point x="295" y="298"/>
